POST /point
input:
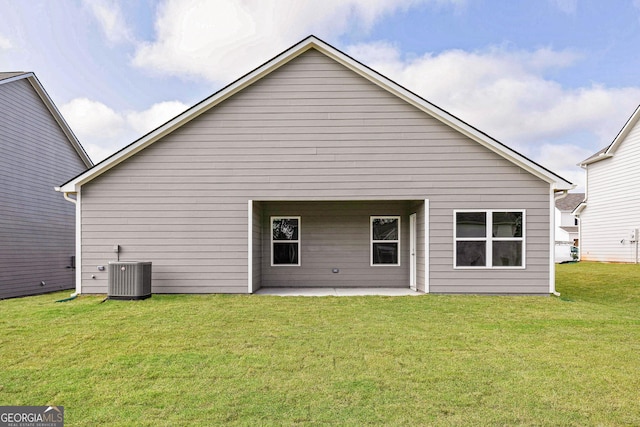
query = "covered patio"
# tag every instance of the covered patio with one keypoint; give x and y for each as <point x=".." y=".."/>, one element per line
<point x="351" y="247"/>
<point x="338" y="292"/>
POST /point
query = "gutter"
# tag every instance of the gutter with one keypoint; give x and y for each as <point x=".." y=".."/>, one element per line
<point x="65" y="194"/>
<point x="67" y="198"/>
<point x="562" y="194"/>
<point x="577" y="212"/>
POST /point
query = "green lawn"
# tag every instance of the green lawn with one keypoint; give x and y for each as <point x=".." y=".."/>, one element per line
<point x="259" y="360"/>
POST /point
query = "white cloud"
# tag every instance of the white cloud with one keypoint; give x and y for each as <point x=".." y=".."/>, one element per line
<point x="221" y="40"/>
<point x="5" y="43"/>
<point x="502" y="91"/>
<point x="91" y="117"/>
<point x="562" y="160"/>
<point x="484" y="88"/>
<point x="111" y="19"/>
<point x="102" y="131"/>
<point x="506" y="94"/>
<point x="147" y="120"/>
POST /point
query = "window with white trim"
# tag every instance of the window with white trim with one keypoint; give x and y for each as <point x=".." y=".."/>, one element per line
<point x="385" y="240"/>
<point x="489" y="239"/>
<point x="285" y="240"/>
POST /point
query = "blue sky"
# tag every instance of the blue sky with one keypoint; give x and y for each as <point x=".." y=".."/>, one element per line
<point x="553" y="79"/>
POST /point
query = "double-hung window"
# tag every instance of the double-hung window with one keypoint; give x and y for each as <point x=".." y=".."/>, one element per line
<point x="489" y="239"/>
<point x="385" y="240"/>
<point x="285" y="240"/>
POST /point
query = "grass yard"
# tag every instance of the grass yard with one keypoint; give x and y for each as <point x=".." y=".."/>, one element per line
<point x="259" y="360"/>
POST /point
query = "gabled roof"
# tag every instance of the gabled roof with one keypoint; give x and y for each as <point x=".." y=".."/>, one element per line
<point x="308" y="43"/>
<point x="9" y="74"/>
<point x="570" y="201"/>
<point x="610" y="151"/>
<point x="8" y="77"/>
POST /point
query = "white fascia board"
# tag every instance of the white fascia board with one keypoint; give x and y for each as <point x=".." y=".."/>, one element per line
<point x="623" y="132"/>
<point x="579" y="209"/>
<point x="443" y="116"/>
<point x="589" y="161"/>
<point x="352" y="64"/>
<point x="16" y="77"/>
<point x="185" y="117"/>
<point x="55" y="113"/>
<point x="611" y="149"/>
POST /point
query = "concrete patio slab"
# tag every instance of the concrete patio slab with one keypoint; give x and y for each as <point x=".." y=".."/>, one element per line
<point x="337" y="292"/>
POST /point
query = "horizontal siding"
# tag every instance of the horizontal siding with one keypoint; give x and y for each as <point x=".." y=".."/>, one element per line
<point x="37" y="226"/>
<point x="613" y="205"/>
<point x="310" y="131"/>
<point x="418" y="207"/>
<point x="335" y="235"/>
<point x="257" y="245"/>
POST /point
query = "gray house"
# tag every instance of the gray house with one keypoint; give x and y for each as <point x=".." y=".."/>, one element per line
<point x="37" y="227"/>
<point x="314" y="170"/>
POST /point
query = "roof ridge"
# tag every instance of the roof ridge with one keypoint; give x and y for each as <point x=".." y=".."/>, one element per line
<point x="375" y="77"/>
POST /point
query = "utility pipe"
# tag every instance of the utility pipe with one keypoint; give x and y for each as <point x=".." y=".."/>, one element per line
<point x="75" y="202"/>
<point x="557" y="197"/>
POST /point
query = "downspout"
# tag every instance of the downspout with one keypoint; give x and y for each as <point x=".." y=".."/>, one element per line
<point x="584" y="202"/>
<point x="75" y="202"/>
<point x="66" y="197"/>
<point x="562" y="195"/>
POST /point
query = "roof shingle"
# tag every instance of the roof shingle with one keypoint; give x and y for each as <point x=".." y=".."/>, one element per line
<point x="570" y="202"/>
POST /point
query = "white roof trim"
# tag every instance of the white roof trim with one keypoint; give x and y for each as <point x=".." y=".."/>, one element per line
<point x="18" y="76"/>
<point x="579" y="208"/>
<point x="48" y="102"/>
<point x="613" y="147"/>
<point x="314" y="43"/>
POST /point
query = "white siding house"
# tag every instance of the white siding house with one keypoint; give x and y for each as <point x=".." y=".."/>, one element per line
<point x="315" y="171"/>
<point x="610" y="214"/>
<point x="567" y="228"/>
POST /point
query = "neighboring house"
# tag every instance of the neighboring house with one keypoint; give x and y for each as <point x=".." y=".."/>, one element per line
<point x="610" y="213"/>
<point x="37" y="227"/>
<point x="315" y="171"/>
<point x="567" y="234"/>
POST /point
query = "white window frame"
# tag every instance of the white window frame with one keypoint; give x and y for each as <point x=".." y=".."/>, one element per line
<point x="287" y="241"/>
<point x="371" y="241"/>
<point x="489" y="239"/>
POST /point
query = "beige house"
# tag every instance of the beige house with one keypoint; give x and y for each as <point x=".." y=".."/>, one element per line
<point x="313" y="170"/>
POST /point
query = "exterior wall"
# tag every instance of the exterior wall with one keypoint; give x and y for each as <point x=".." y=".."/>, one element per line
<point x="445" y="279"/>
<point x="37" y="226"/>
<point x="420" y="209"/>
<point x="564" y="239"/>
<point x="567" y="219"/>
<point x="310" y="131"/>
<point x="560" y="220"/>
<point x="613" y="204"/>
<point x="257" y="245"/>
<point x="335" y="235"/>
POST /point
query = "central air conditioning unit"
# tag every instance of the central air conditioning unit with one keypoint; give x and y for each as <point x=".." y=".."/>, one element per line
<point x="129" y="280"/>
